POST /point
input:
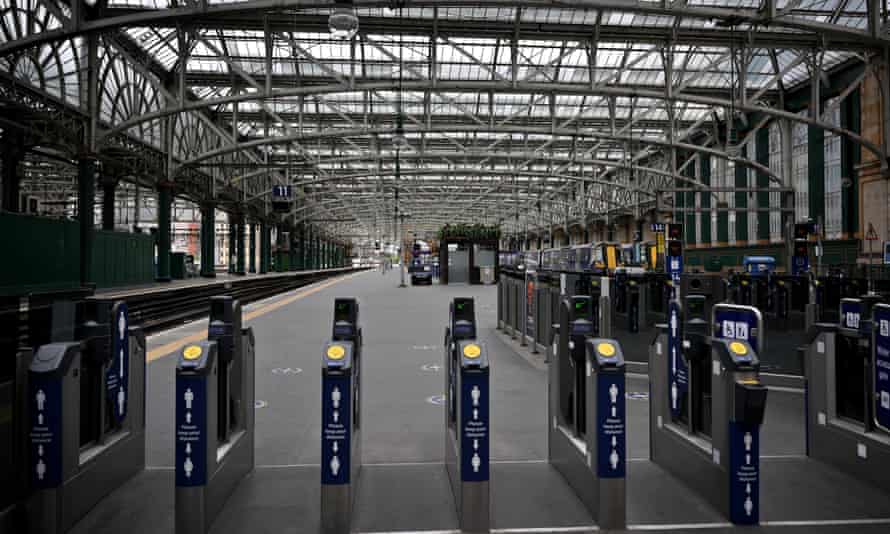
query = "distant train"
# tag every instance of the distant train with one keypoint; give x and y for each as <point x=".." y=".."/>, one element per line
<point x="596" y="258"/>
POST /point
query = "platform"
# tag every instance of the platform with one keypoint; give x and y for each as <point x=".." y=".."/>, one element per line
<point x="221" y="279"/>
<point x="404" y="487"/>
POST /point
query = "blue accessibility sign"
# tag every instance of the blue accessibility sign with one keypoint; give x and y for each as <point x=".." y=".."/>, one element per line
<point x="881" y="369"/>
<point x="474" y="434"/>
<point x="744" y="473"/>
<point x="117" y="374"/>
<point x="610" y="426"/>
<point x="45" y="432"/>
<point x="191" y="431"/>
<point x="678" y="374"/>
<point x="336" y="398"/>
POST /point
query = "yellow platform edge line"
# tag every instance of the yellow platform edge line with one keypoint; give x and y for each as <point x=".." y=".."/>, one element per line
<point x="174" y="346"/>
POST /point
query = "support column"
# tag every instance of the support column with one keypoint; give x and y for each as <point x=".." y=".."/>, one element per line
<point x="86" y="192"/>
<point x="109" y="187"/>
<point x="232" y="260"/>
<point x="308" y="252"/>
<point x="208" y="240"/>
<point x="252" y="248"/>
<point x="13" y="153"/>
<point x="165" y="206"/>
<point x="264" y="247"/>
<point x="239" y="244"/>
<point x="317" y="255"/>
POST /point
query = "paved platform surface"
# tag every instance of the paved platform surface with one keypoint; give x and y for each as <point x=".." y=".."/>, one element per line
<point x="403" y="486"/>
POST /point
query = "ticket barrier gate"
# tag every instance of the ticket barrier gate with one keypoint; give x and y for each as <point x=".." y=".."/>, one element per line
<point x="630" y="301"/>
<point x="586" y="412"/>
<point x="848" y="391"/>
<point x="723" y="466"/>
<point x="214" y="425"/>
<point x="86" y="415"/>
<point x="341" y="404"/>
<point x="467" y="419"/>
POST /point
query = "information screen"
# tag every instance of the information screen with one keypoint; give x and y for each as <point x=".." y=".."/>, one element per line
<point x="581" y="307"/>
<point x="695" y="307"/>
<point x="343" y="310"/>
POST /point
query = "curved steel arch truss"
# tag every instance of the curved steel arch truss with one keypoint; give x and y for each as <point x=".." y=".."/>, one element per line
<point x="588" y="108"/>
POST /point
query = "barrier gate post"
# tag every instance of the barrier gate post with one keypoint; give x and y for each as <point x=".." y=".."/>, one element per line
<point x="467" y="418"/>
<point x="341" y="418"/>
<point x="85" y="399"/>
<point x="214" y="446"/>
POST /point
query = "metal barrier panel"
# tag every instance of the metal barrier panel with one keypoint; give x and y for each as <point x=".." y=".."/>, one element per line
<point x="85" y="430"/>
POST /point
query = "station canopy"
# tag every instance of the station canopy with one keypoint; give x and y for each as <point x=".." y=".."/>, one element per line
<point x="519" y="113"/>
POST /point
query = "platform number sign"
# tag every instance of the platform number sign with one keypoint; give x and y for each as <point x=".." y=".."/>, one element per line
<point x="881" y="370"/>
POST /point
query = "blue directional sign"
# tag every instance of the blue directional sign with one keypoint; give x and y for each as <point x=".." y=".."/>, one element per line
<point x="851" y="313"/>
<point x="474" y="434"/>
<point x="744" y="473"/>
<point x="191" y="431"/>
<point x="678" y="374"/>
<point x="45" y="430"/>
<point x="737" y="322"/>
<point x="117" y="374"/>
<point x="881" y="370"/>
<point x="336" y="446"/>
<point x="610" y="426"/>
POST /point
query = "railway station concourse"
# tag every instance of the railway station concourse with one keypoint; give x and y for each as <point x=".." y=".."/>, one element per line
<point x="423" y="266"/>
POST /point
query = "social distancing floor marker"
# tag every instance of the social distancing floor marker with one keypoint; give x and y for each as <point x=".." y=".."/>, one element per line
<point x="175" y="346"/>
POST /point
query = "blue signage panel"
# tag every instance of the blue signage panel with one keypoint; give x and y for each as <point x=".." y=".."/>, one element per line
<point x="800" y="264"/>
<point x="610" y="425"/>
<point x="744" y="473"/>
<point x="735" y="323"/>
<point x="678" y="375"/>
<point x="191" y="430"/>
<point x="882" y="365"/>
<point x="116" y="376"/>
<point x="474" y="433"/>
<point x="336" y="445"/>
<point x="851" y="313"/>
<point x="45" y="431"/>
<point x="657" y="227"/>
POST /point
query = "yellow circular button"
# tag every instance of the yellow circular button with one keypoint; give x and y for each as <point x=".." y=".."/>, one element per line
<point x="472" y="351"/>
<point x="336" y="352"/>
<point x="192" y="352"/>
<point x="606" y="349"/>
<point x="739" y="349"/>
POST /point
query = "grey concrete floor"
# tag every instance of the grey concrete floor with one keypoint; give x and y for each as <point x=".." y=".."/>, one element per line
<point x="403" y="485"/>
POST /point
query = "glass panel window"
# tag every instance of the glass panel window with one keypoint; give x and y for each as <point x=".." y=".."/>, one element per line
<point x="752" y="197"/>
<point x="775" y="165"/>
<point x="800" y="170"/>
<point x="832" y="144"/>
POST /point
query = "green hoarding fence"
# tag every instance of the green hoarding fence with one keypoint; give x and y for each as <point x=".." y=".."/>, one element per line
<point x="44" y="255"/>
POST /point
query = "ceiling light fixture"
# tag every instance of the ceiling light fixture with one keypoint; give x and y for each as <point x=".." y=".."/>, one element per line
<point x="343" y="20"/>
